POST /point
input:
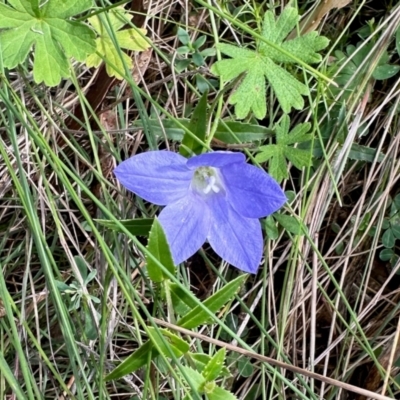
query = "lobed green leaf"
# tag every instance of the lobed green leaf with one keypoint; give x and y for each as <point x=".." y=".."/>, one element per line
<point x="260" y="65"/>
<point x="55" y="39"/>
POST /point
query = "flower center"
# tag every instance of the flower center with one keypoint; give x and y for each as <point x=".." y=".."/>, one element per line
<point x="206" y="180"/>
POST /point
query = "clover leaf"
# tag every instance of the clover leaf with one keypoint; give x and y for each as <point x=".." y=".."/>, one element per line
<point x="261" y="64"/>
<point x="130" y="39"/>
<point x="283" y="149"/>
<point x="55" y="38"/>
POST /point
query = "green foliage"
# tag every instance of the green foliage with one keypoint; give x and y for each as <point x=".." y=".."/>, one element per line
<point x="214" y="367"/>
<point x="197" y="316"/>
<point x="244" y="132"/>
<point x="137" y="226"/>
<point x="80" y="296"/>
<point x="261" y="65"/>
<point x="191" y="50"/>
<point x="288" y="222"/>
<point x="219" y="393"/>
<point x="129" y="39"/>
<point x="283" y="149"/>
<point x="159" y="249"/>
<point x="49" y="29"/>
<point x="175" y="344"/>
<point x="353" y="66"/>
<point x="181" y="301"/>
<point x="359" y="152"/>
<point x="75" y="289"/>
<point x="391" y="232"/>
<point x="242" y="364"/>
<point x="203" y="380"/>
<point x="201" y="360"/>
<point x="135" y="361"/>
<point x="335" y="126"/>
<point x="398" y="41"/>
<point x="198" y="126"/>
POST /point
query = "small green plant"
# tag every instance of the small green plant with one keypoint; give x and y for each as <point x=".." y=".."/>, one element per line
<point x="191" y="51"/>
<point x="204" y="378"/>
<point x="283" y="150"/>
<point x="261" y="64"/>
<point x="80" y="298"/>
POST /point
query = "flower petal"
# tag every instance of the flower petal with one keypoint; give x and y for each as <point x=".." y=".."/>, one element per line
<point x="251" y="191"/>
<point x="160" y="177"/>
<point x="186" y="224"/>
<point x="235" y="239"/>
<point x="216" y="159"/>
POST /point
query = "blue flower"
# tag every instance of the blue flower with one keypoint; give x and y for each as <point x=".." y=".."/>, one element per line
<point x="214" y="196"/>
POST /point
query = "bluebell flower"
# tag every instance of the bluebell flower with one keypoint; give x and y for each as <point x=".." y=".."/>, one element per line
<point x="214" y="196"/>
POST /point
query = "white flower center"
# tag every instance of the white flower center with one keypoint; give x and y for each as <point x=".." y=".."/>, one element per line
<point x="206" y="180"/>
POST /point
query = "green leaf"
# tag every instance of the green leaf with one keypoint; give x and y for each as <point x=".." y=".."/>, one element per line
<point x="54" y="37"/>
<point x="396" y="201"/>
<point x="137" y="227"/>
<point x="61" y="286"/>
<point x="364" y="153"/>
<point x="386" y="254"/>
<point x="195" y="377"/>
<point x="135" y="361"/>
<point x="201" y="360"/>
<point x="214" y="367"/>
<point x="353" y="59"/>
<point x="148" y="352"/>
<point x="245" y="367"/>
<point x="245" y="132"/>
<point x="181" y="302"/>
<point x="199" y="42"/>
<point x="91" y="331"/>
<point x="260" y="65"/>
<point x="198" y="126"/>
<point x="82" y="267"/>
<point x="396" y="230"/>
<point x="386" y="71"/>
<point x="271" y="228"/>
<point x="283" y="149"/>
<point x="181" y="65"/>
<point x="129" y="39"/>
<point x="197" y="316"/>
<point x="197" y="59"/>
<point x="398" y="41"/>
<point x="290" y="223"/>
<point x="220" y="394"/>
<point x="183" y="36"/>
<point x="182" y="50"/>
<point x="202" y="83"/>
<point x="159" y="248"/>
<point x="388" y="239"/>
<point x="176" y="344"/>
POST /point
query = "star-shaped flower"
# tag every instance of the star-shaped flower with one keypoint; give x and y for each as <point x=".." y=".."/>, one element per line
<point x="214" y="196"/>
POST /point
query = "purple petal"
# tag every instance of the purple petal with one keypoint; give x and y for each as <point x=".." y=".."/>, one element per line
<point x="235" y="239"/>
<point x="217" y="159"/>
<point x="251" y="191"/>
<point x="186" y="224"/>
<point x="160" y="177"/>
